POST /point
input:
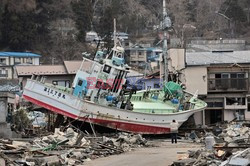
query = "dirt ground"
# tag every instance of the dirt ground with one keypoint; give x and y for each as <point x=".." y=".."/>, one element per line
<point x="162" y="155"/>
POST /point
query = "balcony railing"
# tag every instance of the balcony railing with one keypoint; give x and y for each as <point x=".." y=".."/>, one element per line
<point x="228" y="84"/>
<point x="3" y="75"/>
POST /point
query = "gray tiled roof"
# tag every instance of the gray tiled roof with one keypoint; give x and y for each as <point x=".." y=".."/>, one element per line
<point x="207" y="58"/>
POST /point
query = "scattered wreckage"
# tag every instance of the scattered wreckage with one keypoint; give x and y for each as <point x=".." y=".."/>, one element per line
<point x="229" y="147"/>
<point x="65" y="148"/>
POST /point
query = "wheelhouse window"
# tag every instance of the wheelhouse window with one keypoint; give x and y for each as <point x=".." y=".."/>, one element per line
<point x="79" y="83"/>
<point x="64" y="83"/>
<point x="107" y="69"/>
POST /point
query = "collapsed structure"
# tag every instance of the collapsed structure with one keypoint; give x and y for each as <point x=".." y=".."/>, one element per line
<point x="65" y="148"/>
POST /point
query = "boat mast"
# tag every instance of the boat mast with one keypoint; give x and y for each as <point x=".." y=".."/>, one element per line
<point x="166" y="23"/>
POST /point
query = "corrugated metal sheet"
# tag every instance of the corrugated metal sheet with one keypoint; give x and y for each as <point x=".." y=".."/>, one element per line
<point x="207" y="58"/>
<point x="41" y="70"/>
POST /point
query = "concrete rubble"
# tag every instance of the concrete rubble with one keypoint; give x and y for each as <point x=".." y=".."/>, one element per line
<point x="230" y="147"/>
<point x="65" y="148"/>
<point x="235" y="132"/>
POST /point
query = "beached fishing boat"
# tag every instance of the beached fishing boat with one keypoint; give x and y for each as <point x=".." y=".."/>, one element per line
<point x="99" y="96"/>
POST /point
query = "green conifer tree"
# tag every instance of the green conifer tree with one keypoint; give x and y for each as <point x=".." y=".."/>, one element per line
<point x="19" y="30"/>
<point x="83" y="17"/>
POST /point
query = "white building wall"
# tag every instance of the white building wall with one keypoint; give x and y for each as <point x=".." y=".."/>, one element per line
<point x="247" y="115"/>
<point x="195" y="78"/>
<point x="11" y="60"/>
<point x="177" y="59"/>
<point x="7" y="61"/>
<point x="9" y="70"/>
<point x="36" y="61"/>
<point x="228" y="115"/>
<point x="198" y="118"/>
<point x="3" y="112"/>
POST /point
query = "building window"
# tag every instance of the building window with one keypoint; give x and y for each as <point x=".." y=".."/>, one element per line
<point x="215" y="104"/>
<point x="17" y="60"/>
<point x="3" y="61"/>
<point x="67" y="84"/>
<point x="29" y="60"/>
<point x="139" y="53"/>
<point x="248" y="104"/>
<point x="235" y="101"/>
<point x="3" y="72"/>
<point x="228" y="81"/>
<point x="156" y="85"/>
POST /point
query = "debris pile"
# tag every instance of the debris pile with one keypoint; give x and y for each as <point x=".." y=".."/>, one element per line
<point x="230" y="147"/>
<point x="65" y="148"/>
<point x="235" y="132"/>
<point x="227" y="133"/>
<point x="7" y="85"/>
<point x="199" y="157"/>
<point x="216" y="158"/>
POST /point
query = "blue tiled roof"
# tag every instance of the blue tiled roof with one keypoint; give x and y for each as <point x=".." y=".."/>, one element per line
<point x="19" y="54"/>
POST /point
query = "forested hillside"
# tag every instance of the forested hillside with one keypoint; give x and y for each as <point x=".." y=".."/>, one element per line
<point x="56" y="28"/>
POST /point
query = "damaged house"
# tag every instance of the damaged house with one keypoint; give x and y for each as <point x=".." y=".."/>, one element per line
<point x="221" y="78"/>
<point x="9" y="85"/>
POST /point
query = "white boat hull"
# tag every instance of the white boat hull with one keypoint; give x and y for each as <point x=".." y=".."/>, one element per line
<point x="120" y="119"/>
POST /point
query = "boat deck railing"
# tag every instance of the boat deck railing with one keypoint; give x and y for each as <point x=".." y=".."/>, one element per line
<point x="42" y="79"/>
<point x="189" y="102"/>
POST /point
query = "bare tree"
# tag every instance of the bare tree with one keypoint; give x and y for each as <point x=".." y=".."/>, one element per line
<point x="20" y="5"/>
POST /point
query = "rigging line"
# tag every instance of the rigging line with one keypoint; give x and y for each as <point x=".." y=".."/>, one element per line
<point x="228" y="6"/>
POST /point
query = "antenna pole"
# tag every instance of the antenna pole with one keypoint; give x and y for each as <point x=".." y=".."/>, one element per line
<point x="115" y="40"/>
<point x="165" y="47"/>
